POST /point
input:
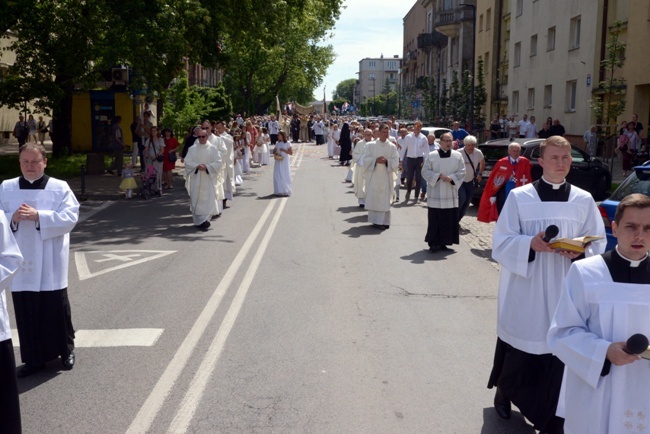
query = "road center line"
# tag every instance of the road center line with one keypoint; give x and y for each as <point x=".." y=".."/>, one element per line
<point x="156" y="399"/>
<point x="200" y="381"/>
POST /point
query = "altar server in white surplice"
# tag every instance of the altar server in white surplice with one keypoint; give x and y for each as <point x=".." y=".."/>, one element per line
<point x="380" y="162"/>
<point x="359" y="183"/>
<point x="10" y="261"/>
<point x="606" y="300"/>
<point x="42" y="212"/>
<point x="202" y="168"/>
<point x="532" y="273"/>
<point x="444" y="171"/>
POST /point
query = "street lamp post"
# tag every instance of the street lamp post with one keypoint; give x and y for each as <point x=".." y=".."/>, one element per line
<point x="471" y="94"/>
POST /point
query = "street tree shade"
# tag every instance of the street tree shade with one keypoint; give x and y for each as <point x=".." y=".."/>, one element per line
<point x="63" y="45"/>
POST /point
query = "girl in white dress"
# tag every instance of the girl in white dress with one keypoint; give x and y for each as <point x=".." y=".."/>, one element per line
<point x="246" y="160"/>
<point x="333" y="137"/>
<point x="282" y="168"/>
<point x="238" y="154"/>
<point x="262" y="147"/>
<point x="154" y="146"/>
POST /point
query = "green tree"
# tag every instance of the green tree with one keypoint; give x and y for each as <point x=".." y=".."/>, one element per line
<point x="183" y="107"/>
<point x="444" y="99"/>
<point x="465" y="91"/>
<point x="431" y="99"/>
<point x="480" y="95"/>
<point x="455" y="102"/>
<point x="610" y="103"/>
<point x="337" y="102"/>
<point x="345" y="90"/>
<point x="218" y="104"/>
<point x="61" y="44"/>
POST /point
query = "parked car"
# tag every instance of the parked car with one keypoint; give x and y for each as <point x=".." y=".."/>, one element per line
<point x="588" y="173"/>
<point x="637" y="182"/>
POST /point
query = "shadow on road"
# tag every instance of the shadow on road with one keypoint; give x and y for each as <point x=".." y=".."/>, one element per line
<point x="422" y="256"/>
<point x="357" y="219"/>
<point x="350" y="209"/>
<point x="359" y="231"/>
<point x="492" y="424"/>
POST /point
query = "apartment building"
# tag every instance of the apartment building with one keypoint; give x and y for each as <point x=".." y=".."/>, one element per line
<point x="376" y="73"/>
<point x="415" y="61"/>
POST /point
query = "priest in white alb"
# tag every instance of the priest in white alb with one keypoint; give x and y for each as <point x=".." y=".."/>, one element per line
<point x="220" y="144"/>
<point x="443" y="171"/>
<point x="606" y="299"/>
<point x="380" y="162"/>
<point x="525" y="372"/>
<point x="358" y="181"/>
<point x="42" y="212"/>
<point x="202" y="168"/>
<point x="228" y="163"/>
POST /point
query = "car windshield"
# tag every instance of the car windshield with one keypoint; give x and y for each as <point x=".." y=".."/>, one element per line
<point x="631" y="185"/>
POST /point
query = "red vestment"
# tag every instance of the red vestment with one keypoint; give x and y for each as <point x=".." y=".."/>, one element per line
<point x="503" y="171"/>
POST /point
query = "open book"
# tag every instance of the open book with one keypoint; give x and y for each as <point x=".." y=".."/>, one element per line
<point x="573" y="244"/>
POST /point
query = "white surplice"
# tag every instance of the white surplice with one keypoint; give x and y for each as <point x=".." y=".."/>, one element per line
<point x="380" y="179"/>
<point x="46" y="249"/>
<point x="443" y="195"/>
<point x="593" y="312"/>
<point x="10" y="262"/>
<point x="528" y="295"/>
<point x="202" y="185"/>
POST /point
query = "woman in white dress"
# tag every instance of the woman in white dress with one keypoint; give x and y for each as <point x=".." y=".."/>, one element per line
<point x="262" y="148"/>
<point x="246" y="160"/>
<point x="154" y="146"/>
<point x="239" y="154"/>
<point x="333" y="137"/>
<point x="282" y="167"/>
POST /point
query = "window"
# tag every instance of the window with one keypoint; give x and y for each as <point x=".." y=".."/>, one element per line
<point x="531" y="98"/>
<point x="517" y="59"/>
<point x="486" y="64"/>
<point x="371" y="76"/>
<point x="480" y="23"/>
<point x="574" y="33"/>
<point x="533" y="45"/>
<point x="551" y="39"/>
<point x="372" y="64"/>
<point x="515" y="102"/>
<point x="548" y="96"/>
<point x="488" y="19"/>
<point x="520" y="7"/>
<point x="571" y="88"/>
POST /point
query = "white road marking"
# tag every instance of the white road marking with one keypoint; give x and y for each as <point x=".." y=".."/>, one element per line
<point x="194" y="393"/>
<point x="161" y="390"/>
<point x="88" y="209"/>
<point x="84" y="271"/>
<point x="109" y="338"/>
<point x="113" y="257"/>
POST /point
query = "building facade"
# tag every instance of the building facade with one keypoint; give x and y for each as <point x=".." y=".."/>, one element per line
<point x="376" y="74"/>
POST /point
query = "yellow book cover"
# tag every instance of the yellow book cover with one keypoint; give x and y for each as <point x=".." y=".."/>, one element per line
<point x="573" y="244"/>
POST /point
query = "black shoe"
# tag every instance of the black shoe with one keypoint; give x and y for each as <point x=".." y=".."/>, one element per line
<point x="26" y="370"/>
<point x="443" y="247"/>
<point x="386" y="227"/>
<point x="502" y="405"/>
<point x="68" y="362"/>
<point x="110" y="171"/>
<point x="375" y="225"/>
<point x="434" y="248"/>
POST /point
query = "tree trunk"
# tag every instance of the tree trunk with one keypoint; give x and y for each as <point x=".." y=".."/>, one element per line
<point x="62" y="126"/>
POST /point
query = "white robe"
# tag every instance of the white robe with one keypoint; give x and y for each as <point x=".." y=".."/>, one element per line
<point x="380" y="179"/>
<point x="228" y="167"/>
<point x="202" y="186"/>
<point x="10" y="262"/>
<point x="220" y="144"/>
<point x="443" y="195"/>
<point x="592" y="313"/>
<point x="359" y="185"/>
<point x="332" y="141"/>
<point x="282" y="182"/>
<point x="528" y="295"/>
<point x="46" y="250"/>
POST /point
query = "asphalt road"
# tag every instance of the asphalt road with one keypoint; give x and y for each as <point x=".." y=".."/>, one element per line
<point x="288" y="315"/>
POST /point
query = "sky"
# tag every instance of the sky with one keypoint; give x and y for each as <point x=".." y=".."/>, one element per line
<point x="366" y="28"/>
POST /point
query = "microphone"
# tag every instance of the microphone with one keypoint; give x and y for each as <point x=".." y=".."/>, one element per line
<point x="636" y="344"/>
<point x="550" y="233"/>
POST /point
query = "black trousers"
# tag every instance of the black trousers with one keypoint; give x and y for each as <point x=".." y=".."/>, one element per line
<point x="414" y="170"/>
<point x="274" y="138"/>
<point x="9" y="402"/>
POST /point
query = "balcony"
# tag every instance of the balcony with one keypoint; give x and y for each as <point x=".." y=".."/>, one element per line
<point x="411" y="56"/>
<point x="448" y="21"/>
<point x="427" y="41"/>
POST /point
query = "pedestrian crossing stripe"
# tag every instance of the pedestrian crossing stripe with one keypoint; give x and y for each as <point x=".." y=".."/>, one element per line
<point x="109" y="338"/>
<point x="125" y="258"/>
